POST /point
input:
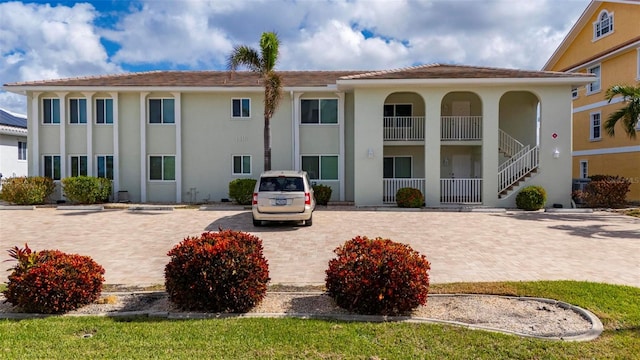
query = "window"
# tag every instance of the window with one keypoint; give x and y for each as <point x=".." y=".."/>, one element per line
<point x="638" y="51"/>
<point x="398" y="115"/>
<point x="51" y="111"/>
<point x="397" y="167"/>
<point x="77" y="111"/>
<point x="22" y="150"/>
<point x="594" y="86"/>
<point x="603" y="25"/>
<point x="321" y="167"/>
<point x="104" y="111"/>
<point x="241" y="165"/>
<point x="584" y="169"/>
<point x="162" y="168"/>
<point x="240" y="108"/>
<point x="52" y="166"/>
<point x="79" y="166"/>
<point x="161" y="111"/>
<point x="596" y="126"/>
<point x="319" y="111"/>
<point x="105" y="166"/>
<point x="574" y="93"/>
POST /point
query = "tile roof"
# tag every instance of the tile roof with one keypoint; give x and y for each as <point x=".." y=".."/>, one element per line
<point x="289" y="78"/>
<point x="11" y="119"/>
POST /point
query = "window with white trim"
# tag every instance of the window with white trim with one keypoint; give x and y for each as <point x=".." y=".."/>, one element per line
<point x="162" y="168"/>
<point x="398" y="115"/>
<point x="51" y="111"/>
<point x="22" y="150"/>
<point x="397" y="167"/>
<point x="584" y="169"/>
<point x="104" y="166"/>
<point x="104" y="111"/>
<point x="241" y="108"/>
<point x="596" y="126"/>
<point x="603" y="25"/>
<point x="79" y="165"/>
<point x="321" y="167"/>
<point x="594" y="86"/>
<point x="319" y="111"/>
<point x="77" y="111"/>
<point x="241" y="165"/>
<point x="51" y="165"/>
<point x="162" y="111"/>
<point x="574" y="93"/>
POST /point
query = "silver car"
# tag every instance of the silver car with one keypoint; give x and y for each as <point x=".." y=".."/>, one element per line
<point x="283" y="195"/>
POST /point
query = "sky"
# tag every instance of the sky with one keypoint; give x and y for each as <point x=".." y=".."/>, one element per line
<point x="48" y="40"/>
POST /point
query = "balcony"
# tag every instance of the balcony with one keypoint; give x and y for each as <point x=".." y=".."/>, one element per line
<point x="403" y="128"/>
<point x="460" y="128"/>
<point x="461" y="191"/>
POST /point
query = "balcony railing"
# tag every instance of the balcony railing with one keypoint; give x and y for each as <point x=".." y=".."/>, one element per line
<point x="454" y="128"/>
<point x="391" y="187"/>
<point x="461" y="191"/>
<point x="403" y="128"/>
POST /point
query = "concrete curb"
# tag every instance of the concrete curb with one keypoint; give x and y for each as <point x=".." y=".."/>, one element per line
<point x="591" y="334"/>
<point x="570" y="211"/>
<point x="17" y="207"/>
<point x="150" y="208"/>
<point x="81" y="207"/>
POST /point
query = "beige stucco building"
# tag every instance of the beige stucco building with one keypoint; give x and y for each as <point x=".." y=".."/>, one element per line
<point x="461" y="134"/>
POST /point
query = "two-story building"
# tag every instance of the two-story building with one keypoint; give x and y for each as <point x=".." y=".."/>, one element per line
<point x="13" y="144"/>
<point x="461" y="134"/>
<point x="605" y="42"/>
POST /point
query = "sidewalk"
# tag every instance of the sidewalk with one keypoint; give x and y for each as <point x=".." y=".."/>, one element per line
<point x="461" y="246"/>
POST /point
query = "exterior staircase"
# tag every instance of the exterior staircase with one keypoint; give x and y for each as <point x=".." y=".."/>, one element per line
<point x="522" y="164"/>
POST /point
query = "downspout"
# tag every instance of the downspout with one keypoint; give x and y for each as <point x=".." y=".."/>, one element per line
<point x="293" y="131"/>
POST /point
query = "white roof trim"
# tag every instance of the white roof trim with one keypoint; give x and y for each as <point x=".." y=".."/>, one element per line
<point x="11" y="130"/>
<point x="581" y="80"/>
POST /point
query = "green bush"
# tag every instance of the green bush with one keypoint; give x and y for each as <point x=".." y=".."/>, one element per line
<point x="32" y="190"/>
<point x="378" y="276"/>
<point x="241" y="190"/>
<point x="409" y="198"/>
<point x="217" y="272"/>
<point x="606" y="191"/>
<point x="52" y="282"/>
<point x="86" y="189"/>
<point x="322" y="193"/>
<point x="531" y="198"/>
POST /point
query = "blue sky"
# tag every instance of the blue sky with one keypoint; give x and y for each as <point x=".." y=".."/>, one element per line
<point x="45" y="40"/>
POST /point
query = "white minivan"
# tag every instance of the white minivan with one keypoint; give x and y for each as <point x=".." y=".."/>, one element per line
<point x="283" y="195"/>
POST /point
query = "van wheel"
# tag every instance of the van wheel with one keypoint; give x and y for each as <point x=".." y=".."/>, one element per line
<point x="257" y="222"/>
<point x="309" y="222"/>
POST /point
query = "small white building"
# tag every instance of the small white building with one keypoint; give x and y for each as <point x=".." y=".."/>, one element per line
<point x="13" y="144"/>
<point x="461" y="134"/>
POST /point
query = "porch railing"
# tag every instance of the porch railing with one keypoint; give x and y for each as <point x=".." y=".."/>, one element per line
<point x="517" y="167"/>
<point x="461" y="191"/>
<point x="391" y="187"/>
<point x="403" y="128"/>
<point x="460" y="128"/>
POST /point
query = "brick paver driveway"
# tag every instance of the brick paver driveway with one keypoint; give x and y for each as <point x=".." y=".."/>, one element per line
<point x="132" y="246"/>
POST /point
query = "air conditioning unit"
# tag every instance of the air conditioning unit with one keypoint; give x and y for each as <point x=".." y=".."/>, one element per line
<point x="579" y="184"/>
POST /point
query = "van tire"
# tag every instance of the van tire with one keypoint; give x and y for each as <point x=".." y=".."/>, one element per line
<point x="309" y="222"/>
<point x="257" y="223"/>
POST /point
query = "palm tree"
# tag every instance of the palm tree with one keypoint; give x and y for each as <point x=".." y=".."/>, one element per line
<point x="630" y="114"/>
<point x="263" y="63"/>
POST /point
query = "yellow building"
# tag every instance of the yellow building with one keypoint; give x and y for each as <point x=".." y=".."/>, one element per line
<point x="605" y="41"/>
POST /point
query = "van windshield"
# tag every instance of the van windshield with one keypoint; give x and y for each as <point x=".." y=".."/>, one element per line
<point x="281" y="183"/>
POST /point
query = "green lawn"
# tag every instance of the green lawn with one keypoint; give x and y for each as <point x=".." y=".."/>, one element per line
<point x="62" y="337"/>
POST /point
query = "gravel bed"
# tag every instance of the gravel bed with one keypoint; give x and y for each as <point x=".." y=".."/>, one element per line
<point x="520" y="315"/>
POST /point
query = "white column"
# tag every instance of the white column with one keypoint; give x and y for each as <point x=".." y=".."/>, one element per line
<point x="116" y="145"/>
<point x="432" y="146"/>
<point x="34" y="148"/>
<point x="63" y="122"/>
<point x="89" y="97"/>
<point x="490" y="138"/>
<point x="341" y="162"/>
<point x="296" y="131"/>
<point x="143" y="146"/>
<point x="178" y="164"/>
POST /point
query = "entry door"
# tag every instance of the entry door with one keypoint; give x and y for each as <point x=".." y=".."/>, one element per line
<point x="461" y="166"/>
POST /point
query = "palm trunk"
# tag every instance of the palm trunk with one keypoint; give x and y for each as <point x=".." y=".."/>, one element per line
<point x="267" y="144"/>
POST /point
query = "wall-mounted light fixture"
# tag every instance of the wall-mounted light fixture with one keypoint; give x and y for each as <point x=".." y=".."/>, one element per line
<point x="370" y="153"/>
<point x="556" y="153"/>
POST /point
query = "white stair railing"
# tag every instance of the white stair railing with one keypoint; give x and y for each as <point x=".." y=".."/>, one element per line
<point x="517" y="168"/>
<point x="508" y="144"/>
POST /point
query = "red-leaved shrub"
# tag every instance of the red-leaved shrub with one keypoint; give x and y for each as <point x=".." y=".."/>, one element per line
<point x="52" y="282"/>
<point x="606" y="191"/>
<point x="378" y="276"/>
<point x="221" y="271"/>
